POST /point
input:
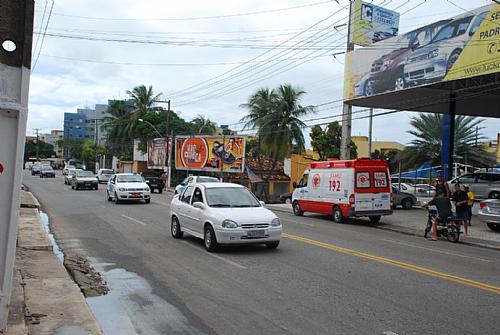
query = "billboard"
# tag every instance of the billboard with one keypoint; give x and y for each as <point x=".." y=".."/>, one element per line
<point x="456" y="48"/>
<point x="371" y="23"/>
<point x="157" y="153"/>
<point x="210" y="153"/>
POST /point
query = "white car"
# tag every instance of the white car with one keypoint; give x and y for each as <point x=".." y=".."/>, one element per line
<point x="128" y="187"/>
<point x="67" y="168"/>
<point x="193" y="180"/>
<point x="104" y="175"/>
<point x="84" y="180"/>
<point x="221" y="214"/>
<point x="69" y="174"/>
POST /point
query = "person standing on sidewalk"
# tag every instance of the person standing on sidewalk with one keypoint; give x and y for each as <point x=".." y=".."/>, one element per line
<point x="442" y="186"/>
<point x="470" y="202"/>
<point x="460" y="199"/>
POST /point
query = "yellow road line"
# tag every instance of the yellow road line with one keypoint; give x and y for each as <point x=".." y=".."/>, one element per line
<point x="411" y="267"/>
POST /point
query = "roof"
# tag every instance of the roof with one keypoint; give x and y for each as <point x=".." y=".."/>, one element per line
<point x="220" y="185"/>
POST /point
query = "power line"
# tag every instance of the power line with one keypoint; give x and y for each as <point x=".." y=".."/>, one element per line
<point x="43" y="36"/>
<point x="194" y="18"/>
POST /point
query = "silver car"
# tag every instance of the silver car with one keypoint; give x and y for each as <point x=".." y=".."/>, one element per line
<point x="485" y="185"/>
<point x="404" y="199"/>
<point x="489" y="212"/>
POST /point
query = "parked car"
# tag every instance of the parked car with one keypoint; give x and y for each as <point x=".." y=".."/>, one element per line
<point x="103" y="175"/>
<point x="485" y="185"/>
<point x="84" y="179"/>
<point x="406" y="187"/>
<point x="194" y="179"/>
<point x="128" y="187"/>
<point x="286" y="198"/>
<point x="489" y="212"/>
<point x="387" y="72"/>
<point x="404" y="199"/>
<point x="430" y="63"/>
<point x="223" y="213"/>
<point x="35" y="169"/>
<point x="46" y="171"/>
<point x="154" y="181"/>
<point x="67" y="168"/>
<point x="425" y="190"/>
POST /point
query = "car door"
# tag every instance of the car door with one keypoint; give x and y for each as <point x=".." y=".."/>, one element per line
<point x="185" y="208"/>
<point x="111" y="186"/>
<point x="197" y="213"/>
<point x="484" y="185"/>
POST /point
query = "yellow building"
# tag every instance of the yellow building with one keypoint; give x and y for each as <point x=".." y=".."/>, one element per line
<point x="297" y="164"/>
<point x="382" y="146"/>
<point x="493" y="147"/>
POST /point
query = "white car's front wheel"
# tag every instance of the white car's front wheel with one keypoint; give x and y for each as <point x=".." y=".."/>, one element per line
<point x="108" y="196"/>
<point x="210" y="240"/>
<point x="175" y="228"/>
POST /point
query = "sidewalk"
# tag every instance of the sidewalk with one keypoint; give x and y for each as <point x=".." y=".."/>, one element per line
<point x="45" y="300"/>
<point x="412" y="222"/>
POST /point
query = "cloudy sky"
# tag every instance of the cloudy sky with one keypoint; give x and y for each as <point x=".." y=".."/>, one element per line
<point x="208" y="57"/>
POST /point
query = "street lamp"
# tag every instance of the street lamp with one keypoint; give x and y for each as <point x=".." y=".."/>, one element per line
<point x="152" y="126"/>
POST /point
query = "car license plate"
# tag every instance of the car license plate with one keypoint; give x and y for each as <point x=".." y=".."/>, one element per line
<point x="135" y="195"/>
<point x="494" y="210"/>
<point x="88" y="184"/>
<point x="154" y="185"/>
<point x="256" y="233"/>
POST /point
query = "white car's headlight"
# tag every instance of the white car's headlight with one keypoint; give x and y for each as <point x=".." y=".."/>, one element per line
<point x="146" y="189"/>
<point x="276" y="222"/>
<point x="121" y="189"/>
<point x="229" y="224"/>
<point x="434" y="53"/>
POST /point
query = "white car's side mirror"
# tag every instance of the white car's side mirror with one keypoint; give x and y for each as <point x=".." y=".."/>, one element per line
<point x="199" y="205"/>
<point x="262" y="203"/>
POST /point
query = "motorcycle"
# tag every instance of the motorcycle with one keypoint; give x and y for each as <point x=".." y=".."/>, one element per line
<point x="448" y="229"/>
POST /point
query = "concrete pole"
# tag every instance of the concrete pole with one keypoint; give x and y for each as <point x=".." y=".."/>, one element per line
<point x="345" y="142"/>
<point x="16" y="26"/>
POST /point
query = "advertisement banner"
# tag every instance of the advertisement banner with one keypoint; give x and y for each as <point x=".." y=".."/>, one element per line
<point x="157" y="153"/>
<point x="210" y="153"/>
<point x="456" y="48"/>
<point x="371" y="23"/>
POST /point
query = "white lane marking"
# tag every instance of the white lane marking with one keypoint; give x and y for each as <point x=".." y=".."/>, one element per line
<point x="388" y="332"/>
<point x="239" y="266"/>
<point x="135" y="220"/>
<point x="438" y="251"/>
<point x="298" y="222"/>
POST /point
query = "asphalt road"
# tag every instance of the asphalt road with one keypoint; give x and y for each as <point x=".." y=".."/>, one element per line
<point x="324" y="278"/>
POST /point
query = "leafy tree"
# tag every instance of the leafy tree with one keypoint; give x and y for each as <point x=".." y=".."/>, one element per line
<point x="326" y="142"/>
<point x="45" y="150"/>
<point x="426" y="147"/>
<point x="118" y="141"/>
<point x="390" y="157"/>
<point x="203" y="126"/>
<point x="144" y="101"/>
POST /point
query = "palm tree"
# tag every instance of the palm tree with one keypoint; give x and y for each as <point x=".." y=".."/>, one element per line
<point x="144" y="101"/>
<point x="202" y="125"/>
<point x="118" y="139"/>
<point x="426" y="147"/>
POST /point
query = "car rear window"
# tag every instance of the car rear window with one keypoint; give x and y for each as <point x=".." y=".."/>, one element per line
<point x="362" y="179"/>
<point x="208" y="180"/>
<point x="107" y="172"/>
<point x="380" y="179"/>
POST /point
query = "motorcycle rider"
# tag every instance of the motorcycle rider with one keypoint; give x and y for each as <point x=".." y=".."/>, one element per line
<point x="443" y="204"/>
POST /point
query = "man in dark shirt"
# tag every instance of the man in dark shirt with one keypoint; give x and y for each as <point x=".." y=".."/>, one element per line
<point x="444" y="211"/>
<point x="460" y="198"/>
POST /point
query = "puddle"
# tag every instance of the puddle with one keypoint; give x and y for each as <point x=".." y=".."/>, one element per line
<point x="55" y="246"/>
<point x="131" y="307"/>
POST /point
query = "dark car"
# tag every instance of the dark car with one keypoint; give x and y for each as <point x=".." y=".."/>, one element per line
<point x="286" y="198"/>
<point x="154" y="181"/>
<point x="387" y="72"/>
<point x="84" y="180"/>
<point x="35" y="169"/>
<point x="46" y="171"/>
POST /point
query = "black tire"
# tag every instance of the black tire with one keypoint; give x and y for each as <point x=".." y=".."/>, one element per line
<point x="160" y="190"/>
<point x="117" y="201"/>
<point x="453" y="58"/>
<point x="338" y="217"/>
<point x="209" y="240"/>
<point x="493" y="226"/>
<point x="175" y="228"/>
<point x="453" y="234"/>
<point x="96" y="187"/>
<point x="296" y="209"/>
<point x="107" y="195"/>
<point x="407" y="203"/>
<point x="494" y="195"/>
<point x="273" y="245"/>
<point x="72" y="186"/>
<point x="375" y="218"/>
<point x="147" y="200"/>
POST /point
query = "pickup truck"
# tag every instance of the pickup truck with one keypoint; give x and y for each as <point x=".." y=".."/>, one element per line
<point x="153" y="180"/>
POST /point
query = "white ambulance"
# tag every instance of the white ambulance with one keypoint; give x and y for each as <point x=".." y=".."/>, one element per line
<point x="345" y="189"/>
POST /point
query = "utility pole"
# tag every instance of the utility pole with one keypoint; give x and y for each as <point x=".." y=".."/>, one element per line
<point x="370" y="133"/>
<point x="37" y="141"/>
<point x="96" y="145"/>
<point x="345" y="144"/>
<point x="170" y="144"/>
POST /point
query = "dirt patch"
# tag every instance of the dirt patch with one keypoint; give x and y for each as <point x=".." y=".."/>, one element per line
<point x="88" y="279"/>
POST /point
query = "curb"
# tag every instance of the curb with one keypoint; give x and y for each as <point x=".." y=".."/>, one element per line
<point x="476" y="242"/>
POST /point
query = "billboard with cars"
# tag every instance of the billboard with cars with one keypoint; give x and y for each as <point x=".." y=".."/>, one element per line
<point x="210" y="153"/>
<point x="456" y="48"/>
<point x="371" y="23"/>
<point x="157" y="153"/>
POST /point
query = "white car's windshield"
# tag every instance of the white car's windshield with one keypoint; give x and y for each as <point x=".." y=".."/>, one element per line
<point x="230" y="197"/>
<point x="84" y="174"/>
<point x="207" y="180"/>
<point x="129" y="179"/>
<point x="107" y="172"/>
